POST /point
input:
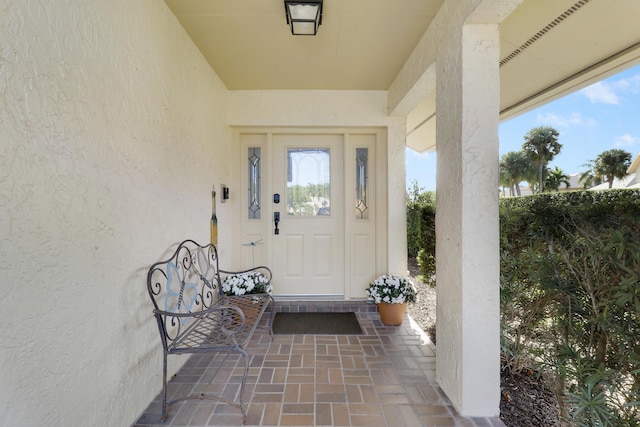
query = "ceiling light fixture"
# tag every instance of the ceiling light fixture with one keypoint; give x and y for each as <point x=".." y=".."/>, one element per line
<point x="304" y="17"/>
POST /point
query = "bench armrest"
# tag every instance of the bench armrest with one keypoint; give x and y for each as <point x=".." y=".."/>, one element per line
<point x="230" y="324"/>
<point x="266" y="272"/>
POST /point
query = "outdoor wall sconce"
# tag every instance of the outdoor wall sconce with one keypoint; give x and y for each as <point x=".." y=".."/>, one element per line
<point x="304" y="17"/>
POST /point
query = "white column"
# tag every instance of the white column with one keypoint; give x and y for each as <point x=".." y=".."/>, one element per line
<point x="467" y="103"/>
<point x="396" y="197"/>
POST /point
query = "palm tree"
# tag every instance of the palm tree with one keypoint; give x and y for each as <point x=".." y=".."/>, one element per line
<point x="517" y="166"/>
<point x="588" y="178"/>
<point x="612" y="164"/>
<point x="505" y="181"/>
<point x="555" y="178"/>
<point x="541" y="144"/>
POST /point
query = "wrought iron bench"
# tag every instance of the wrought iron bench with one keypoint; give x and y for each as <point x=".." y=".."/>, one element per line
<point x="195" y="316"/>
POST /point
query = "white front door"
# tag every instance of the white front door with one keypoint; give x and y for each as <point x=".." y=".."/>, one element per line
<point x="308" y="246"/>
<point x="324" y="186"/>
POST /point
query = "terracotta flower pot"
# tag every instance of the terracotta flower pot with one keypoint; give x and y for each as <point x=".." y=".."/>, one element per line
<point x="392" y="314"/>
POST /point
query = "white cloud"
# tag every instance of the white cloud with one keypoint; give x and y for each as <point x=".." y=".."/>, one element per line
<point x="573" y="119"/>
<point x="626" y="140"/>
<point x="609" y="92"/>
<point x="629" y="85"/>
<point x="602" y="92"/>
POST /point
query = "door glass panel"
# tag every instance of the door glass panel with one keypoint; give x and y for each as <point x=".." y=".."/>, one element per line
<point x="362" y="183"/>
<point x="308" y="181"/>
<point x="254" y="182"/>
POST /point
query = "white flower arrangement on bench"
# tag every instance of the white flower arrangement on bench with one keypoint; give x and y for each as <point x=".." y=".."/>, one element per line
<point x="251" y="282"/>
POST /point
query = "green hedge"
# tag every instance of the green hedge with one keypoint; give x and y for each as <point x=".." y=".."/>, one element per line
<point x="570" y="298"/>
<point x="570" y="294"/>
<point x="421" y="232"/>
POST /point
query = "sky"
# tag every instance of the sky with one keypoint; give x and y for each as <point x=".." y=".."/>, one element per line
<point x="600" y="117"/>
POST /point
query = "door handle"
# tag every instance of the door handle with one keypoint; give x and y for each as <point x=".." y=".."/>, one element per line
<point x="276" y="220"/>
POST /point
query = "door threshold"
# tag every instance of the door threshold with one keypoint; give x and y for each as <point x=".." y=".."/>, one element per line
<point x="309" y="297"/>
<point x="323" y="305"/>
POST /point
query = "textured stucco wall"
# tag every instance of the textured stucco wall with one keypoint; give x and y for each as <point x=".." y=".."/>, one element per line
<point x="112" y="131"/>
<point x="308" y="108"/>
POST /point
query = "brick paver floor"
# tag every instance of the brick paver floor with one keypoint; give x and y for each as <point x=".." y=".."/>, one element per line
<point x="384" y="377"/>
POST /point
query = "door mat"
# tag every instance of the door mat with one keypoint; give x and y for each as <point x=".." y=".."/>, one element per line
<point x="316" y="324"/>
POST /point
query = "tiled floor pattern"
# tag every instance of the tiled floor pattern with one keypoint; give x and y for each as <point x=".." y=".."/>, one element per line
<point x="384" y="377"/>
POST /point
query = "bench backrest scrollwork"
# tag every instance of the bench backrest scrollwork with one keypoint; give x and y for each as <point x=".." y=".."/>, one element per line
<point x="183" y="285"/>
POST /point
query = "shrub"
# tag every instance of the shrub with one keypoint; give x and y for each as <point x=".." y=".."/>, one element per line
<point x="421" y="231"/>
<point x="421" y="223"/>
<point x="569" y="294"/>
<point x="570" y="298"/>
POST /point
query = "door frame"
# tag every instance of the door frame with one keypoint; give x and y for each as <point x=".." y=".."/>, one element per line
<point x="370" y="236"/>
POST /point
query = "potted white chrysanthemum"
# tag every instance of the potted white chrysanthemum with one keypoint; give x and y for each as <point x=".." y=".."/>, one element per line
<point x="392" y="294"/>
<point x="251" y="282"/>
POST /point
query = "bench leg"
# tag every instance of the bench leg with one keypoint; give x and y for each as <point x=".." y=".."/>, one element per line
<point x="272" y="315"/>
<point x="245" y="356"/>
<point x="164" y="387"/>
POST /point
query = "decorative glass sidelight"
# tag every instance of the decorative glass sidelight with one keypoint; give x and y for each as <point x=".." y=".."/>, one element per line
<point x="254" y="158"/>
<point x="308" y="181"/>
<point x="362" y="183"/>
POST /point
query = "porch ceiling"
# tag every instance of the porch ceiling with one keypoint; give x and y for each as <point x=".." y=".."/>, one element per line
<point x="360" y="45"/>
<point x="548" y="48"/>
